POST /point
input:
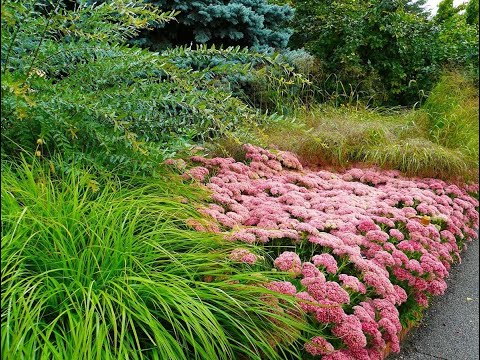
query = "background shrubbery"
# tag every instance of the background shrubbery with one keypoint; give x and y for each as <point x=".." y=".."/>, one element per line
<point x="390" y="52"/>
<point x="72" y="83"/>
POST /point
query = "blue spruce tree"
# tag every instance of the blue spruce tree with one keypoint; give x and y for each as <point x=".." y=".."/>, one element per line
<point x="248" y="23"/>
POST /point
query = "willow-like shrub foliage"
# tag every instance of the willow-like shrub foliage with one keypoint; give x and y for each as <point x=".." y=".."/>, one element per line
<point x="71" y="84"/>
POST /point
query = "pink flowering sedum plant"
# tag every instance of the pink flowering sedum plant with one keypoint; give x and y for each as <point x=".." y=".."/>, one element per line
<point x="362" y="251"/>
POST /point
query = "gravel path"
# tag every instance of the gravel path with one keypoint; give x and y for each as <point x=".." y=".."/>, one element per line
<point x="450" y="328"/>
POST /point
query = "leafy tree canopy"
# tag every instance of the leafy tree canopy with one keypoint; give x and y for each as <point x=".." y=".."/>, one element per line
<point x="471" y="12"/>
<point x="384" y="46"/>
<point x="445" y="11"/>
<point x="387" y="50"/>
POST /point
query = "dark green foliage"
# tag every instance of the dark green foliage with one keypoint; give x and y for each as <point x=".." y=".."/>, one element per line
<point x="457" y="39"/>
<point x="386" y="52"/>
<point x="380" y="48"/>
<point x="445" y="11"/>
<point x="417" y="6"/>
<point x="247" y="23"/>
<point x="471" y="12"/>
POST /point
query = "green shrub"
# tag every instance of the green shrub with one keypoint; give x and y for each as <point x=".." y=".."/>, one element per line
<point x="381" y="50"/>
<point x="71" y="84"/>
<point x="81" y="120"/>
<point x="471" y="12"/>
<point x="384" y="52"/>
<point x="95" y="268"/>
<point x="457" y="45"/>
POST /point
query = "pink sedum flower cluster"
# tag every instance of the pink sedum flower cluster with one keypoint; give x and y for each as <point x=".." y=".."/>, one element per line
<point x="290" y="262"/>
<point x="327" y="261"/>
<point x="319" y="346"/>
<point x="243" y="256"/>
<point x="397" y="236"/>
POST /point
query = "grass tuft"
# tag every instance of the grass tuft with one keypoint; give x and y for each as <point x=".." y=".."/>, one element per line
<point x="441" y="139"/>
<point x="111" y="271"/>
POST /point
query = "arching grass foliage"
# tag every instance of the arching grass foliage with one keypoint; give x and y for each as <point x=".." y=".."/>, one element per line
<point x="96" y="269"/>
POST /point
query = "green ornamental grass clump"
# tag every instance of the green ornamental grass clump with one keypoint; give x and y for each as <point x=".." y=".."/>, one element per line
<point x="440" y="139"/>
<point x="93" y="268"/>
